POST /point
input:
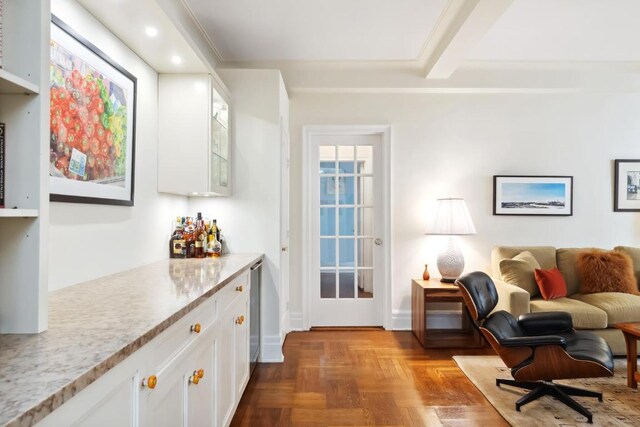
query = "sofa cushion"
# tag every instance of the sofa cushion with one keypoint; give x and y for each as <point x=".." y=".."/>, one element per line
<point x="634" y="253"/>
<point x="583" y="315"/>
<point x="605" y="271"/>
<point x="566" y="259"/>
<point x="545" y="255"/>
<point x="519" y="271"/>
<point x="551" y="283"/>
<point x="618" y="306"/>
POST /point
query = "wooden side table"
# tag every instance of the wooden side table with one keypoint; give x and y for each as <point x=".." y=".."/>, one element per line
<point x="427" y="291"/>
<point x="631" y="333"/>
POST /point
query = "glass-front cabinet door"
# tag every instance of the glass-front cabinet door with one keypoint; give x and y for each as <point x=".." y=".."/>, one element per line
<point x="220" y="161"/>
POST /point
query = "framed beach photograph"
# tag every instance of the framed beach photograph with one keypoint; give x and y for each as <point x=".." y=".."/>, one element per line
<point x="533" y="195"/>
<point x="92" y="122"/>
<point x="626" y="194"/>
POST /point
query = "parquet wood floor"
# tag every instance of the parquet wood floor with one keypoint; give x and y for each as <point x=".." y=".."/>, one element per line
<point x="358" y="378"/>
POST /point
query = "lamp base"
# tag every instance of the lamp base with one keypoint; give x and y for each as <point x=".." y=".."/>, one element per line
<point x="450" y="262"/>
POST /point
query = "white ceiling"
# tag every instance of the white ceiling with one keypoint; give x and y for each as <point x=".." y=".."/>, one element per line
<point x="564" y="30"/>
<point x="128" y="20"/>
<point x="265" y="30"/>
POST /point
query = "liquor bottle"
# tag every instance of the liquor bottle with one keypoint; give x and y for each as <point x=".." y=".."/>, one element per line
<point x="200" y="237"/>
<point x="177" y="245"/>
<point x="210" y="237"/>
<point x="190" y="237"/>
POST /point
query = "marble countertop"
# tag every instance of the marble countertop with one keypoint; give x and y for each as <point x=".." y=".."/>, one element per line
<point x="95" y="325"/>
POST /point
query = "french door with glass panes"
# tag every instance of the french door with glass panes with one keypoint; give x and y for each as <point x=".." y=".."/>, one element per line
<point x="346" y="221"/>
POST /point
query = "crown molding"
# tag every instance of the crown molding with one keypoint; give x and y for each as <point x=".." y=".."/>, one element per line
<point x="196" y="21"/>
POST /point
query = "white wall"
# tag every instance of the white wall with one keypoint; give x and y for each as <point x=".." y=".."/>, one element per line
<point x="90" y="241"/>
<point x="250" y="217"/>
<point x="452" y="144"/>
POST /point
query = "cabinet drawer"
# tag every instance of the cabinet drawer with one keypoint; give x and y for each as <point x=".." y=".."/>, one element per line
<point x="238" y="286"/>
<point x="170" y="342"/>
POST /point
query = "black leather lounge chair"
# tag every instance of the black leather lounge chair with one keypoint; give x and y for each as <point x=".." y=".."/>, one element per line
<point x="538" y="347"/>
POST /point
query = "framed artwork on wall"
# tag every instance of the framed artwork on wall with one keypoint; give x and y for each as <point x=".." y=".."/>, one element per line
<point x="626" y="193"/>
<point x="92" y="122"/>
<point x="537" y="195"/>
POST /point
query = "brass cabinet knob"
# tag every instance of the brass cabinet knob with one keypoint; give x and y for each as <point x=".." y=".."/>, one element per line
<point x="239" y="288"/>
<point x="196" y="328"/>
<point x="150" y="382"/>
<point x="197" y="375"/>
<point x="239" y="320"/>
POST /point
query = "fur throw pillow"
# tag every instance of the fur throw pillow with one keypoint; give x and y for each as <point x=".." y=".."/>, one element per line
<point x="605" y="271"/>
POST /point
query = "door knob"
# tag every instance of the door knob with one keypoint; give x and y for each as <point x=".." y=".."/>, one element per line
<point x="378" y="241"/>
<point x="284" y="249"/>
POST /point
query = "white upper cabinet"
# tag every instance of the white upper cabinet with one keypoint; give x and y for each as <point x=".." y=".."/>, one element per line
<point x="194" y="142"/>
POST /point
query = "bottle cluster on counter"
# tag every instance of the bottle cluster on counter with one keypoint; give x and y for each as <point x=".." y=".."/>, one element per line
<point x="195" y="239"/>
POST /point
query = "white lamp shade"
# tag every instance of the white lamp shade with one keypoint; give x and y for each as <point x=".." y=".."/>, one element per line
<point x="451" y="218"/>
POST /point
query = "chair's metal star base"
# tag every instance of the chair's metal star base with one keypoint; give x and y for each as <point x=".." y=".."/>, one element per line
<point x="562" y="393"/>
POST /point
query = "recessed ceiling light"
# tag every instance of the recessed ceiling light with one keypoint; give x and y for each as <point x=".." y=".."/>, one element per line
<point x="176" y="59"/>
<point x="151" y="31"/>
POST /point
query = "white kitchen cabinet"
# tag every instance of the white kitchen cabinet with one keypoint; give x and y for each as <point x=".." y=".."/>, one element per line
<point x="200" y="395"/>
<point x="109" y="402"/>
<point x="194" y="155"/>
<point x="124" y="396"/>
<point x="183" y="395"/>
<point x="24" y="109"/>
<point x="241" y="346"/>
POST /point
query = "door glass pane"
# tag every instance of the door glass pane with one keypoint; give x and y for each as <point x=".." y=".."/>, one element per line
<point x="346" y="218"/>
<point x="347" y="252"/>
<point x="365" y="190"/>
<point x="365" y="221"/>
<point x="327" y="252"/>
<point x="365" y="283"/>
<point x="223" y="173"/>
<point x="347" y="284"/>
<point x="346" y="155"/>
<point x="365" y="159"/>
<point x="327" y="190"/>
<point x="346" y="193"/>
<point x="327" y="159"/>
<point x="327" y="167"/>
<point x="215" y="176"/>
<point x="328" y="284"/>
<point x="345" y="167"/>
<point x="327" y="221"/>
<point x="365" y="252"/>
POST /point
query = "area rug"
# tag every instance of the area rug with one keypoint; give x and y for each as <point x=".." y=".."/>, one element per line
<point x="620" y="406"/>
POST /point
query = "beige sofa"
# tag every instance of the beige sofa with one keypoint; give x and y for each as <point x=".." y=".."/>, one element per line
<point x="595" y="312"/>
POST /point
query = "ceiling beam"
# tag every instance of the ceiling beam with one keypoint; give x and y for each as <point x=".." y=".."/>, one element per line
<point x="461" y="26"/>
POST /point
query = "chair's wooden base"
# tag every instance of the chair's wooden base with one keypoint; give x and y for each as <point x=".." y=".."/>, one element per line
<point x="561" y="392"/>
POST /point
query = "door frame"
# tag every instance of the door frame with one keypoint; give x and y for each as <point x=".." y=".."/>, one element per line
<point x="307" y="133"/>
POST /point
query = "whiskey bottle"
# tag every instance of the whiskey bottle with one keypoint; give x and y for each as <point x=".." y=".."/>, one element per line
<point x="200" y="237"/>
<point x="177" y="245"/>
<point x="190" y="238"/>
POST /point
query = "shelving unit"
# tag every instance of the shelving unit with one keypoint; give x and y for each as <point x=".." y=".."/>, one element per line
<point x="11" y="84"/>
<point x="18" y="213"/>
<point x="24" y="108"/>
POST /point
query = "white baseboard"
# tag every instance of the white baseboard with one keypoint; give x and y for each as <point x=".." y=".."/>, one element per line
<point x="401" y="320"/>
<point x="295" y="321"/>
<point x="271" y="350"/>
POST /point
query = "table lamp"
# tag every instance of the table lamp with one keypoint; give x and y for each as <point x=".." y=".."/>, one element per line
<point x="451" y="219"/>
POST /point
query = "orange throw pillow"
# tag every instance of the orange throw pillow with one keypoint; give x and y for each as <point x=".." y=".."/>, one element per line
<point x="605" y="271"/>
<point x="551" y="283"/>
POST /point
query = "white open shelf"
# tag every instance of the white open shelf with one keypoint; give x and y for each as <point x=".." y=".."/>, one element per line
<point x="12" y="84"/>
<point x="18" y="213"/>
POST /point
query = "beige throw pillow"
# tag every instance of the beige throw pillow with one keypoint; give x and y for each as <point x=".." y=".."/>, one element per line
<point x="520" y="271"/>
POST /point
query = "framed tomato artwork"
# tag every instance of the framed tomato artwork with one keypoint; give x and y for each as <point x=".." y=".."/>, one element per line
<point x="92" y="123"/>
